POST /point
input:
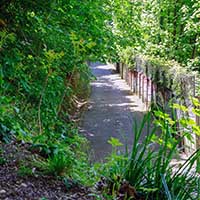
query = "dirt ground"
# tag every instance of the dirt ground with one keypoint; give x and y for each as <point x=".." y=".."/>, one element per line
<point x="17" y="186"/>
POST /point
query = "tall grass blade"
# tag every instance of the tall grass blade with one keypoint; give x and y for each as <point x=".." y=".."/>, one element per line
<point x="169" y="197"/>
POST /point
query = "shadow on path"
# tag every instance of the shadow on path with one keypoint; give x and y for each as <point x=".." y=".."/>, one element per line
<point x="111" y="112"/>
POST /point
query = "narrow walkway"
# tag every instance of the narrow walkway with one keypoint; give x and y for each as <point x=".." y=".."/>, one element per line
<point x="111" y="112"/>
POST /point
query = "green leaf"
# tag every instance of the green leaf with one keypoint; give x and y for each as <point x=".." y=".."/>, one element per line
<point x="115" y="142"/>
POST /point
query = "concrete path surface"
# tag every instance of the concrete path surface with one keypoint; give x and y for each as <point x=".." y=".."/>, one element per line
<point x="111" y="111"/>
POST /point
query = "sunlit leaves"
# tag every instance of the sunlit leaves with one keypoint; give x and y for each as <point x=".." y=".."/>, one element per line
<point x="180" y="107"/>
<point x="163" y="118"/>
<point x="168" y="29"/>
<point x="44" y="46"/>
<point x="195" y="101"/>
<point x="5" y="36"/>
<point x="115" y="142"/>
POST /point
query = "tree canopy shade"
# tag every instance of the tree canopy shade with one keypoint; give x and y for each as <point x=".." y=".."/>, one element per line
<point x="43" y="44"/>
<point x="169" y="29"/>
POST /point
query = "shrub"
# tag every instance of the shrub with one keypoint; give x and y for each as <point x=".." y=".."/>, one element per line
<point x="148" y="168"/>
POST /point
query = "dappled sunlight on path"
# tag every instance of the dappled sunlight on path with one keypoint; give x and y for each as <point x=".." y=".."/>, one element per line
<point x="111" y="111"/>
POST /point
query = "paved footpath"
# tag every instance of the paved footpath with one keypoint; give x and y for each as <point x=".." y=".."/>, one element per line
<point x="111" y="111"/>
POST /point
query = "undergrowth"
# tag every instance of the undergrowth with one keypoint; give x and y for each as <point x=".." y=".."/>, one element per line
<point x="148" y="168"/>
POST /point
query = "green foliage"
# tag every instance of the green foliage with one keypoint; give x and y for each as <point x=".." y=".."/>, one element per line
<point x="44" y="48"/>
<point x="25" y="171"/>
<point x="148" y="169"/>
<point x="166" y="74"/>
<point x="113" y="171"/>
<point x="59" y="164"/>
<point x="2" y="159"/>
<point x="167" y="29"/>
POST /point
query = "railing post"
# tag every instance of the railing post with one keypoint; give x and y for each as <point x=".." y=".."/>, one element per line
<point x="135" y="81"/>
<point x="126" y="74"/>
<point x="118" y="67"/>
<point x="122" y="70"/>
<point x="137" y="84"/>
<point x="152" y="91"/>
<point x="131" y="80"/>
<point x="143" y="86"/>
<point x="147" y="93"/>
<point x="140" y="74"/>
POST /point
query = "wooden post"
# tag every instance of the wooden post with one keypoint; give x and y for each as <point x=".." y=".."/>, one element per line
<point x="126" y="74"/>
<point x="152" y="98"/>
<point x="135" y="81"/>
<point x="150" y="95"/>
<point x="131" y="80"/>
<point x="118" y="67"/>
<point x="140" y="83"/>
<point x="147" y="93"/>
<point x="143" y="86"/>
<point x="154" y="93"/>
